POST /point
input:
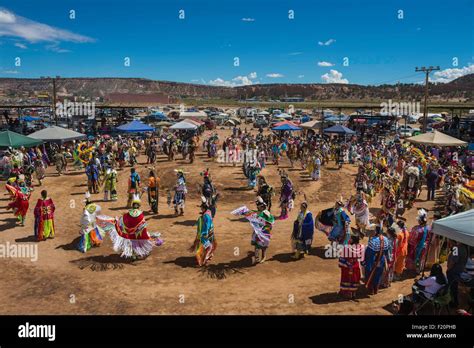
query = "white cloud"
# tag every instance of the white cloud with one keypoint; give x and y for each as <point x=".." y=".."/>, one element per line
<point x="448" y="75"/>
<point x="326" y="43"/>
<point x="300" y="76"/>
<point x="248" y="19"/>
<point x="274" y="75"/>
<point x="10" y="72"/>
<point x="333" y="76"/>
<point x="325" y="64"/>
<point x="55" y="48"/>
<point x="20" y="45"/>
<point x="236" y="81"/>
<point x="295" y="53"/>
<point x="195" y="80"/>
<point x="12" y="25"/>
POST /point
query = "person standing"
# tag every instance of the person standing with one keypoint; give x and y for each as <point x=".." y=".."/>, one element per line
<point x="401" y="251"/>
<point x="133" y="186"/>
<point x="20" y="196"/>
<point x="375" y="260"/>
<point x="44" y="217"/>
<point x="303" y="230"/>
<point x="431" y="181"/>
<point x="350" y="269"/>
<point x="205" y="242"/>
<point x="153" y="190"/>
<point x="457" y="260"/>
<point x="110" y="183"/>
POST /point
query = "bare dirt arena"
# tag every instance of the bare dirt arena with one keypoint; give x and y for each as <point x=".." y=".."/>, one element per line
<point x="66" y="281"/>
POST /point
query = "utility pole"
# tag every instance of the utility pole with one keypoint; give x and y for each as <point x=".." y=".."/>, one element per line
<point x="54" y="101"/>
<point x="427" y="71"/>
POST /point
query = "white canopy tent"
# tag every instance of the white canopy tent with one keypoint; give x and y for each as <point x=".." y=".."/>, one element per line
<point x="194" y="114"/>
<point x="183" y="125"/>
<point x="459" y="227"/>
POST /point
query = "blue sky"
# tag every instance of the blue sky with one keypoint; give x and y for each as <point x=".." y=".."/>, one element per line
<point x="380" y="47"/>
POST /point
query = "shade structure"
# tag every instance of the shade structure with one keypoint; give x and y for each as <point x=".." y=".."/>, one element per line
<point x="286" y="127"/>
<point x="29" y="118"/>
<point x="311" y="124"/>
<point x="57" y="134"/>
<point x="457" y="227"/>
<point x="339" y="129"/>
<point x="195" y="122"/>
<point x="184" y="126"/>
<point x="194" y="114"/>
<point x="15" y="140"/>
<point x="135" y="127"/>
<point x="436" y="138"/>
<point x="278" y="124"/>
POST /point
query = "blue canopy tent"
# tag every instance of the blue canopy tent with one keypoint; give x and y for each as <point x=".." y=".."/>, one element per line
<point x="471" y="147"/>
<point x="29" y="118"/>
<point x="286" y="127"/>
<point x="339" y="129"/>
<point x="135" y="127"/>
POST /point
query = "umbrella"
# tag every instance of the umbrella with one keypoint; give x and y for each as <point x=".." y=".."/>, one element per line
<point x="436" y="138"/>
<point x="135" y="127"/>
<point x="339" y="129"/>
<point x="456" y="227"/>
<point x="57" y="134"/>
<point x="15" y="140"/>
<point x="183" y="126"/>
<point x="286" y="127"/>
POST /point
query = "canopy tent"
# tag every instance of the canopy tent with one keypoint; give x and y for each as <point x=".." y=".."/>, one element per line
<point x="471" y="147"/>
<point x="184" y="126"/>
<point x="458" y="227"/>
<point x="15" y="140"/>
<point x="195" y="122"/>
<point x="286" y="127"/>
<point x="278" y="124"/>
<point x="29" y="118"/>
<point x="135" y="127"/>
<point x="195" y="114"/>
<point x="436" y="138"/>
<point x="311" y="124"/>
<point x="339" y="129"/>
<point x="57" y="134"/>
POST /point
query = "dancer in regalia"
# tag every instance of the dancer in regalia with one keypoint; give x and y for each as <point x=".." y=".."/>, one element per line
<point x="110" y="183"/>
<point x="265" y="191"/>
<point x="350" y="269"/>
<point x="153" y="190"/>
<point x="418" y="241"/>
<point x="359" y="207"/>
<point x="133" y="186"/>
<point x="180" y="191"/>
<point x="91" y="234"/>
<point x="303" y="230"/>
<point x="375" y="260"/>
<point x="129" y="233"/>
<point x="340" y="231"/>
<point x="286" y="196"/>
<point x="262" y="222"/>
<point x="20" y="195"/>
<point x="205" y="242"/>
<point x="44" y="217"/>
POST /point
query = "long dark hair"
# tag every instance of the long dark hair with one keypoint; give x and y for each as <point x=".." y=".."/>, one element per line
<point x="437" y="271"/>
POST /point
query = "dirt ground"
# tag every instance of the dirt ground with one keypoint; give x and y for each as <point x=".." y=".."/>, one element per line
<point x="66" y="281"/>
